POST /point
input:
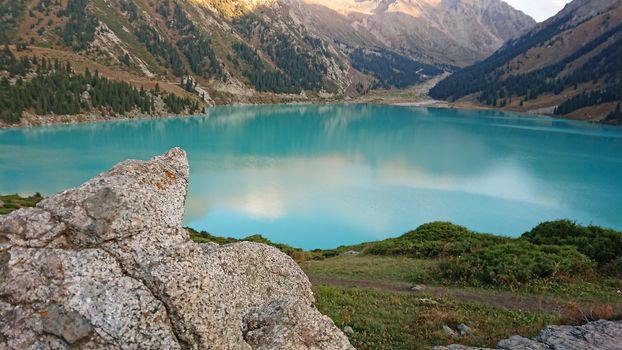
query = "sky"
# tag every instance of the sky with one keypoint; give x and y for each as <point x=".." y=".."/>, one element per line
<point x="539" y="9"/>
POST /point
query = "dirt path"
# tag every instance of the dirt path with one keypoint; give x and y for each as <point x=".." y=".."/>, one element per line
<point x="502" y="299"/>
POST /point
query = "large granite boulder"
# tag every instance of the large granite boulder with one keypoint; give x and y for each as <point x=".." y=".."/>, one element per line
<point x="108" y="265"/>
<point x="598" y="335"/>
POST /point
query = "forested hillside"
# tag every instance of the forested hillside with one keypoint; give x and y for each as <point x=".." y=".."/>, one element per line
<point x="247" y="50"/>
<point x="230" y="49"/>
<point x="36" y="85"/>
<point x="568" y="66"/>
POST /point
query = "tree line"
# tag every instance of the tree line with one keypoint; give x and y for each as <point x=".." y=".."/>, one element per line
<point x="391" y="69"/>
<point x="602" y="71"/>
<point x="56" y="89"/>
<point x="298" y="67"/>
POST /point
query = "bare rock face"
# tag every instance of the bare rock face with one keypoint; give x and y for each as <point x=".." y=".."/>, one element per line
<point x="598" y="335"/>
<point x="108" y="265"/>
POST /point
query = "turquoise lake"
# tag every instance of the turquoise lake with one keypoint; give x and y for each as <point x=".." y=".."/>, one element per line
<point x="323" y="176"/>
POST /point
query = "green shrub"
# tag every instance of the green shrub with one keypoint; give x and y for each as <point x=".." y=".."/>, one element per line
<point x="435" y="239"/>
<point x="613" y="268"/>
<point x="518" y="263"/>
<point x="599" y="244"/>
<point x="205" y="237"/>
<point x="10" y="203"/>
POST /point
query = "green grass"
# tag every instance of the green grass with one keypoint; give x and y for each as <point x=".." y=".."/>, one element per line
<point x="385" y="320"/>
<point x="601" y="289"/>
<point x="374" y="268"/>
<point x="13" y="202"/>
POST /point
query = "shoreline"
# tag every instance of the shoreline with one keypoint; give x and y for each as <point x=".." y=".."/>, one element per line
<point x="29" y="120"/>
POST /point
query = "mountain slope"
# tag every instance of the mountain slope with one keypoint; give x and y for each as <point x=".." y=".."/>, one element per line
<point x="568" y="66"/>
<point x="200" y="49"/>
<point x="227" y="51"/>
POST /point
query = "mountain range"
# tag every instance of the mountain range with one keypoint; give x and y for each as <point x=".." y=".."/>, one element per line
<point x="236" y="50"/>
<point x="569" y="65"/>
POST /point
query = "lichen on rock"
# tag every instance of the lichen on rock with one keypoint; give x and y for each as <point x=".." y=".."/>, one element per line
<point x="597" y="335"/>
<point x="108" y="265"/>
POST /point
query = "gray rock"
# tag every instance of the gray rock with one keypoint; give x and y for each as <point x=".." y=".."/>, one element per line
<point x="1" y="203"/>
<point x="428" y="301"/>
<point x="418" y="288"/>
<point x="348" y="330"/>
<point x="598" y="335"/>
<point x="449" y="331"/>
<point x="458" y="347"/>
<point x="464" y="330"/>
<point x="108" y="265"/>
<point x="351" y="252"/>
<point x="521" y="343"/>
<point x="601" y="335"/>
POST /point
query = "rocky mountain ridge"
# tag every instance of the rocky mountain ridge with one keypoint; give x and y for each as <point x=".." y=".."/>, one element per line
<point x="454" y="33"/>
<point x="108" y="265"/>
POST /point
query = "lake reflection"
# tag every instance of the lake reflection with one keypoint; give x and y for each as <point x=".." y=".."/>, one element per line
<point x="322" y="176"/>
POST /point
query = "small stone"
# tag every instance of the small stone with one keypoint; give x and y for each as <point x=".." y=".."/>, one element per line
<point x="450" y="332"/>
<point x="521" y="343"/>
<point x="348" y="330"/>
<point x="428" y="301"/>
<point x="351" y="252"/>
<point x="418" y="288"/>
<point x="464" y="329"/>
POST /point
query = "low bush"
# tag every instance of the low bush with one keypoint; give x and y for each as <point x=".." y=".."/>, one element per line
<point x="10" y="203"/>
<point x="518" y="263"/>
<point x="205" y="237"/>
<point x="599" y="244"/>
<point x="437" y="239"/>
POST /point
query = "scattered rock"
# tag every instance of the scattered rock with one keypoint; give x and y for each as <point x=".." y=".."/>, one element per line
<point x="458" y="347"/>
<point x="464" y="330"/>
<point x="521" y="343"/>
<point x="601" y="335"/>
<point x="418" y="288"/>
<point x="428" y="301"/>
<point x="108" y="265"/>
<point x="351" y="252"/>
<point x="348" y="330"/>
<point x="449" y="331"/>
<point x="598" y="335"/>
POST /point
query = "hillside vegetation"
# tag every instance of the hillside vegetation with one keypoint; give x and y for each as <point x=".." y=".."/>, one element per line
<point x="568" y="65"/>
<point x="43" y="87"/>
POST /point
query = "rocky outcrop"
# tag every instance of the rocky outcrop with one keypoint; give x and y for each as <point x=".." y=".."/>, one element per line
<point x="108" y="265"/>
<point x="599" y="335"/>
